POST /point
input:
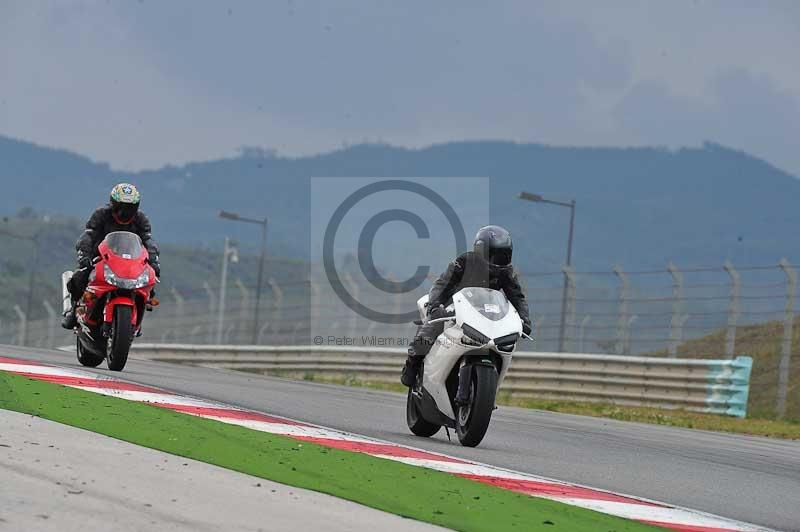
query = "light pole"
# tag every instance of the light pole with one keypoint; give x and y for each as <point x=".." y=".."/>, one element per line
<point x="264" y="224"/>
<point x="529" y="196"/>
<point x="231" y="254"/>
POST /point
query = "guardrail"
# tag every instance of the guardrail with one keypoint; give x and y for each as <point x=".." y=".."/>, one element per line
<point x="714" y="386"/>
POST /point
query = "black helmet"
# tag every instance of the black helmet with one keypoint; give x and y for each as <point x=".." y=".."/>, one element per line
<point x="493" y="244"/>
<point x="124" y="203"/>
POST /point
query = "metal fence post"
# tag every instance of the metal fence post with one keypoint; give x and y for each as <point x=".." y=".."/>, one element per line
<point x="582" y="333"/>
<point x="680" y="322"/>
<point x="786" y="344"/>
<point x="244" y="308"/>
<point x="261" y="332"/>
<point x="22" y="326"/>
<point x="51" y="323"/>
<point x="212" y="297"/>
<point x="229" y="255"/>
<point x="675" y="324"/>
<point x="733" y="310"/>
<point x="628" y="334"/>
<point x="523" y="281"/>
<point x="277" y="293"/>
<point x="296" y="329"/>
<point x="226" y="337"/>
<point x="538" y="331"/>
<point x="212" y="305"/>
<point x="179" y="304"/>
<point x="356" y="292"/>
<point x="277" y="303"/>
<point x="622" y="321"/>
<point x="314" y="312"/>
<point x="569" y="330"/>
<point x="397" y="307"/>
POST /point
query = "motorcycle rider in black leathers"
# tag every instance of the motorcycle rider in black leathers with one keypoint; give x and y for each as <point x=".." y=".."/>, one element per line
<point x="487" y="266"/>
<point x="121" y="214"/>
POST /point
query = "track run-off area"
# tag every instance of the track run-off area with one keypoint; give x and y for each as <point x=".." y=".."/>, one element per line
<point x="749" y="479"/>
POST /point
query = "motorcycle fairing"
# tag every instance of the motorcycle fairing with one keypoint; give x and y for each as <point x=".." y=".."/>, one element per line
<point x="448" y="349"/>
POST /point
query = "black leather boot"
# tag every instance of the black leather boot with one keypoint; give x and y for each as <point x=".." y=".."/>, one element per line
<point x="70" y="320"/>
<point x="410" y="370"/>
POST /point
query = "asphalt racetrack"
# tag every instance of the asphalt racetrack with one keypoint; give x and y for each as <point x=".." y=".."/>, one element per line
<point x="748" y="478"/>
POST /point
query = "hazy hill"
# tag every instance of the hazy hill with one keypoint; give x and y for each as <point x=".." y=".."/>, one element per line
<point x="639" y="206"/>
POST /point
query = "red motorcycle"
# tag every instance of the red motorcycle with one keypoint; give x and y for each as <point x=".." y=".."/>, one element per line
<point x="112" y="308"/>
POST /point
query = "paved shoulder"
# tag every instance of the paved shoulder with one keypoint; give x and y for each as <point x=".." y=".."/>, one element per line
<point x="60" y="478"/>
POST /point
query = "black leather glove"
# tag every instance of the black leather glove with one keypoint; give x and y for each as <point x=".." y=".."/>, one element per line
<point x="84" y="261"/>
<point x="527" y="328"/>
<point x="153" y="260"/>
<point x="437" y="312"/>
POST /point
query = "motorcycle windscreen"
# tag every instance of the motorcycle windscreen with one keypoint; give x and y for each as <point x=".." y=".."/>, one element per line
<point x="124" y="244"/>
<point x="489" y="303"/>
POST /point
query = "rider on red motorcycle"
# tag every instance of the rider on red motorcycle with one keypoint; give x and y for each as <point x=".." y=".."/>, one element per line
<point x="121" y="214"/>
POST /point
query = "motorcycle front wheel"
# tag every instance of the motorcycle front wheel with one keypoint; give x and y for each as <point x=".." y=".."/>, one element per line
<point x="121" y="337"/>
<point x="473" y="418"/>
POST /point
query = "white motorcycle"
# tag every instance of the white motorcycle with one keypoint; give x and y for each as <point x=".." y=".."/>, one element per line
<point x="458" y="382"/>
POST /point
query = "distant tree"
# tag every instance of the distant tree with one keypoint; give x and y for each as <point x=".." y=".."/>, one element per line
<point x="257" y="152"/>
<point x="14" y="267"/>
<point x="27" y="213"/>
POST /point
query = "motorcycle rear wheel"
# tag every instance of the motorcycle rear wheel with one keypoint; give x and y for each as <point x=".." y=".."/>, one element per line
<point x="417" y="425"/>
<point x="472" y="420"/>
<point x="90" y="360"/>
<point x="121" y="337"/>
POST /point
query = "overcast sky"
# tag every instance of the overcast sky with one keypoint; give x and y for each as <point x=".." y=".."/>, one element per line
<point x="146" y="83"/>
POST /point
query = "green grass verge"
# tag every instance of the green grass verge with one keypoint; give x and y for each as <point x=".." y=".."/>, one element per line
<point x="762" y="341"/>
<point x="675" y="418"/>
<point x="412" y="492"/>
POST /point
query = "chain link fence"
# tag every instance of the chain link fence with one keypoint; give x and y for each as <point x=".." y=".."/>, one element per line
<point x="711" y="312"/>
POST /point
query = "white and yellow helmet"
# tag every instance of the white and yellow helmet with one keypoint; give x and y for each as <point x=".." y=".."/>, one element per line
<point x="124" y="203"/>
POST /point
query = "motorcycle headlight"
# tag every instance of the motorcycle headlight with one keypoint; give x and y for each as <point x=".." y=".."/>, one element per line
<point x="122" y="282"/>
<point x="466" y="340"/>
<point x="109" y="275"/>
<point x="143" y="280"/>
<point x="473" y="337"/>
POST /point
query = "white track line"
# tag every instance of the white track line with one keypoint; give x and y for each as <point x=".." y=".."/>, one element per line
<point x="599" y="500"/>
<point x="291" y="430"/>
